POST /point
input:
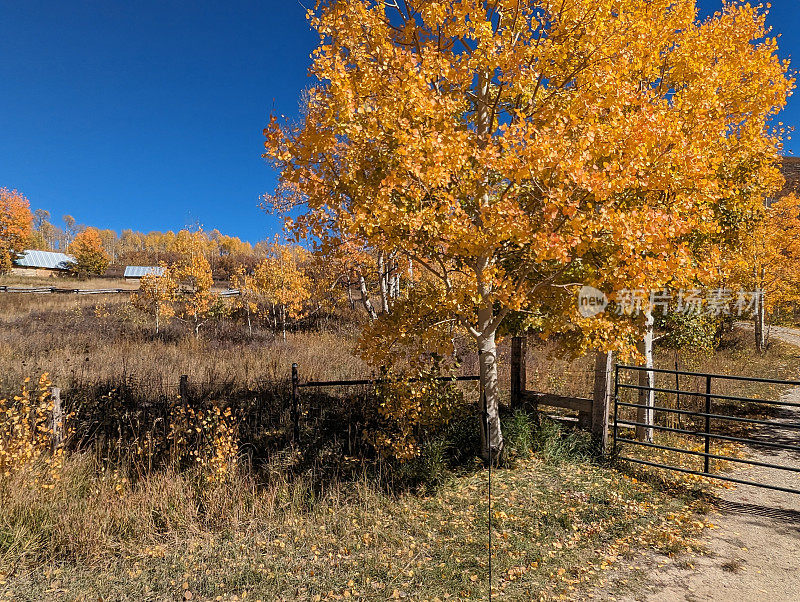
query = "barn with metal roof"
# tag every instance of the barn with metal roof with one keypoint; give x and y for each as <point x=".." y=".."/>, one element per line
<point x="136" y="272"/>
<point x="38" y="263"/>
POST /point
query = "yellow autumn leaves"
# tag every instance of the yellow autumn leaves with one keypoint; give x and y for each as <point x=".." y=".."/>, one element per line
<point x="206" y="439"/>
<point x="278" y="289"/>
<point x="89" y="254"/>
<point x="768" y="259"/>
<point x="27" y="435"/>
<point x="594" y="134"/>
<point x="15" y="226"/>
<point x="516" y="150"/>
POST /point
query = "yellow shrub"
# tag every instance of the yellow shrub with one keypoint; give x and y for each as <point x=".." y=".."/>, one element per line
<point x="207" y="438"/>
<point x="410" y="408"/>
<point x="26" y="434"/>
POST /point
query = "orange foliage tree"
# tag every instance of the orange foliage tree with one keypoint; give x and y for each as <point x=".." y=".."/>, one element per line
<point x="195" y="303"/>
<point x="247" y="301"/>
<point x="89" y="254"/>
<point x="282" y="283"/>
<point x="768" y="261"/>
<point x="278" y="287"/>
<point x="15" y="226"/>
<point x="157" y="294"/>
<point x="513" y="149"/>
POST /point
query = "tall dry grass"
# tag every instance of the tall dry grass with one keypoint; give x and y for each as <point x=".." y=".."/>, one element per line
<point x="82" y="340"/>
<point x="212" y="518"/>
<point x="174" y="536"/>
<point x="98" y="512"/>
<point x="65" y="280"/>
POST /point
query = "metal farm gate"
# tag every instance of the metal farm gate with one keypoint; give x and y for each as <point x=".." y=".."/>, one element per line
<point x="698" y="423"/>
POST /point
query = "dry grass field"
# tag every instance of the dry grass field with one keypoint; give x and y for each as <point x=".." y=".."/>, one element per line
<point x="208" y="516"/>
<point x="101" y="338"/>
<point x="560" y="525"/>
<point x="65" y="281"/>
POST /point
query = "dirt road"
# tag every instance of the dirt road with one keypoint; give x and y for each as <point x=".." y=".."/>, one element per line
<point x="787" y="335"/>
<point x="754" y="554"/>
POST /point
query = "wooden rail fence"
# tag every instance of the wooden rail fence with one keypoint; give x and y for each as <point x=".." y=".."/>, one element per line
<point x="593" y="413"/>
<point x="47" y="290"/>
<point x="51" y="290"/>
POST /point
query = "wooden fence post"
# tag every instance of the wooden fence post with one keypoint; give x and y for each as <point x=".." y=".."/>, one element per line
<point x="518" y="369"/>
<point x="295" y="414"/>
<point x="601" y="400"/>
<point x="183" y="388"/>
<point x="585" y="420"/>
<point x="183" y="392"/>
<point x="58" y="417"/>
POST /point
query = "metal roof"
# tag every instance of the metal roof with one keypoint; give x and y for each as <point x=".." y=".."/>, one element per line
<point x="139" y="271"/>
<point x="44" y="259"/>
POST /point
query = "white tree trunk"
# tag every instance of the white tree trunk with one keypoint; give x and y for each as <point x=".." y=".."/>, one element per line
<point x="646" y="379"/>
<point x="383" y="280"/>
<point x="487" y="359"/>
<point x="365" y="298"/>
<point x="492" y="441"/>
<point x="350" y="294"/>
<point x="759" y="319"/>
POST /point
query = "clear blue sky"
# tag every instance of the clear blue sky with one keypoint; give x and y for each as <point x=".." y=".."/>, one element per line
<point x="148" y="114"/>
